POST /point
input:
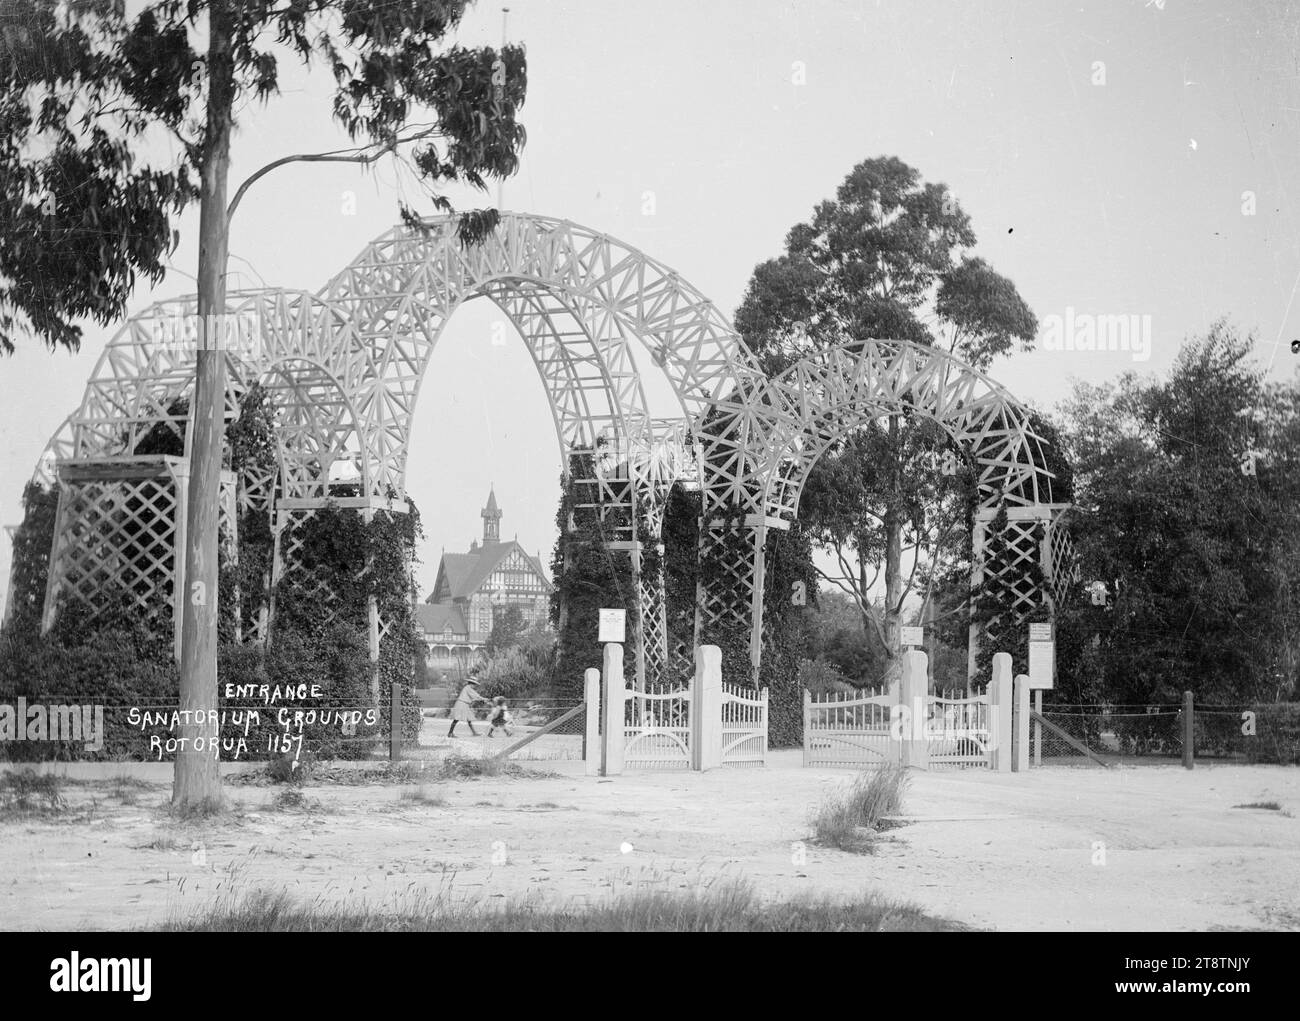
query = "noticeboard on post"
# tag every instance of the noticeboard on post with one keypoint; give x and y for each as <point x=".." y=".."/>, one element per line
<point x="1042" y="665"/>
<point x="613" y="626"/>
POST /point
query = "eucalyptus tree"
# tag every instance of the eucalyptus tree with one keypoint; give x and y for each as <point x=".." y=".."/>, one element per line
<point x="889" y="257"/>
<point x="112" y="124"/>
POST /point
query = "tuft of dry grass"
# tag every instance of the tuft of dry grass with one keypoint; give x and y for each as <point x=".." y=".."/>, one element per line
<point x="850" y="819"/>
<point x="463" y="767"/>
<point x="199" y="811"/>
<point x="290" y="799"/>
<point x="24" y="791"/>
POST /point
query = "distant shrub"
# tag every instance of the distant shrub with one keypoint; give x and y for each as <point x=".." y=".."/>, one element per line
<point x="821" y="677"/>
<point x="521" y="671"/>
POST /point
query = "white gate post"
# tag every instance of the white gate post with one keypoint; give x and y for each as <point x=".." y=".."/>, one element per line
<point x="915" y="692"/>
<point x="706" y="709"/>
<point x="999" y="713"/>
<point x="612" y="740"/>
<point x="1020" y="753"/>
<point x="591" y="692"/>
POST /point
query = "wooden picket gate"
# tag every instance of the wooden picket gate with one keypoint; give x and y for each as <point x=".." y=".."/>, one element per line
<point x="958" y="731"/>
<point x="856" y="730"/>
<point x="849" y="730"/>
<point x="657" y="728"/>
<point x="744" y="726"/>
<point x="703" y="726"/>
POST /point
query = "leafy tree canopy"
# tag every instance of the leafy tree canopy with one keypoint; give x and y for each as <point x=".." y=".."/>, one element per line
<point x="1188" y="497"/>
<point x="88" y="96"/>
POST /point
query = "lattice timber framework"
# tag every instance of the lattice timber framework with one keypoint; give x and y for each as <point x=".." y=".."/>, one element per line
<point x="344" y="367"/>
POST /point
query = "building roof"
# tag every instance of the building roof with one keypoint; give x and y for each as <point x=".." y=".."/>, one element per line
<point x="439" y="618"/>
<point x="454" y="570"/>
<point x="465" y="573"/>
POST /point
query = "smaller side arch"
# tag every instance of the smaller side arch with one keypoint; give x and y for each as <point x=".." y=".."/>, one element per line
<point x="823" y="398"/>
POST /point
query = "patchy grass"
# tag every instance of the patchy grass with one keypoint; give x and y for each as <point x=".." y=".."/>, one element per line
<point x="720" y="907"/>
<point x="851" y="819"/>
<point x="403" y="774"/>
<point x="289" y="800"/>
<point x="126" y="794"/>
<point x="125" y="781"/>
<point x="26" y="791"/>
<point x="209" y="809"/>
<point x="423" y="796"/>
<point x="465" y="767"/>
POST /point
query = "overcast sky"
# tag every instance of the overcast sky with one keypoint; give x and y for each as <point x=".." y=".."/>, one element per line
<point x="1102" y="150"/>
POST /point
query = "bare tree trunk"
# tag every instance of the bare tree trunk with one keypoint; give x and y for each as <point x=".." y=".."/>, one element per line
<point x="197" y="777"/>
<point x="893" y="559"/>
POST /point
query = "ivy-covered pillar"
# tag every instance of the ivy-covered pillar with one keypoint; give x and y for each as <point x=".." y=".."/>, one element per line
<point x="758" y="545"/>
<point x="724" y="609"/>
<point x="372" y="615"/>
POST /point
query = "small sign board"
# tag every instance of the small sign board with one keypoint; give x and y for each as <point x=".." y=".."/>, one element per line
<point x="1040" y="632"/>
<point x="913" y="636"/>
<point x="613" y="626"/>
<point x="1042" y="665"/>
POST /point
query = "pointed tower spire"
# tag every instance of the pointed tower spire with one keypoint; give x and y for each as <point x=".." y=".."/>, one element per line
<point x="491" y="519"/>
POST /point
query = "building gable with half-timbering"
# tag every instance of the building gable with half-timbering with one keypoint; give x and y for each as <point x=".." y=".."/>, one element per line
<point x="473" y="588"/>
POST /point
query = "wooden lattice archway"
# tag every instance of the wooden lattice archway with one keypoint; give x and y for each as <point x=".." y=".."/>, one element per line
<point x="835" y="391"/>
<point x="347" y="365"/>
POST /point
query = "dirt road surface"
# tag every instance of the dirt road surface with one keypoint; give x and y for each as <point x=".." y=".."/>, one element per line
<point x="1053" y="849"/>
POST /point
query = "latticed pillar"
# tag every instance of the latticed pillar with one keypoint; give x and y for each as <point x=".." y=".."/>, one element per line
<point x="119" y="538"/>
<point x="1034" y="571"/>
<point x="727" y="612"/>
<point x="653" y="613"/>
<point x="290" y="573"/>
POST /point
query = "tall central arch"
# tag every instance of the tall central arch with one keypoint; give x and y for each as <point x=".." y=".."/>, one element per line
<point x="581" y="300"/>
<point x="348" y="363"/>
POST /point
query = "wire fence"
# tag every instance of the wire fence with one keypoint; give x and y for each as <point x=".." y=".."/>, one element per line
<point x="1247" y="733"/>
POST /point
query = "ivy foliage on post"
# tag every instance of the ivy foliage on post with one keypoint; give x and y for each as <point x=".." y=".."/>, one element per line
<point x="587" y="577"/>
<point x="789" y="600"/>
<point x="358" y="560"/>
<point x="30" y="568"/>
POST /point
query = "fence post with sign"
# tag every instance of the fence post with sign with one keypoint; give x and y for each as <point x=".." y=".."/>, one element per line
<point x="1042" y="674"/>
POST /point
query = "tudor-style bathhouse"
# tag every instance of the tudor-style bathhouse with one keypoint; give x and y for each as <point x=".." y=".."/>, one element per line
<point x="472" y="587"/>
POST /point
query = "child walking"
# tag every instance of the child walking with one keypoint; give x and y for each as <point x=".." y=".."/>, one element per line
<point x="500" y="717"/>
<point x="463" y="710"/>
